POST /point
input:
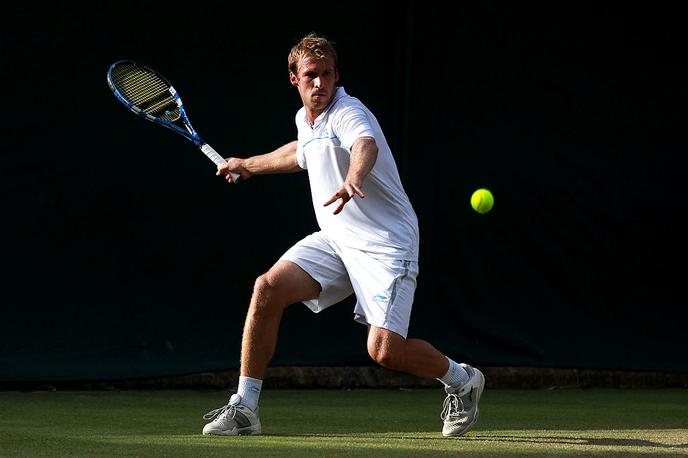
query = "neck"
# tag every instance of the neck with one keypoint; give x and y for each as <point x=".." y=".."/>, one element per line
<point x="312" y="115"/>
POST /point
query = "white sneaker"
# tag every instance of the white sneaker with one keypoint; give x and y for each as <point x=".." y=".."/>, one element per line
<point x="460" y="409"/>
<point x="234" y="419"/>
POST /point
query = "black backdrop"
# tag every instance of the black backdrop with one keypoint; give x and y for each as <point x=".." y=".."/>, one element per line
<point x="123" y="255"/>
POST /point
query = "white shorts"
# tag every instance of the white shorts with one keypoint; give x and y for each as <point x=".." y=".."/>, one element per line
<point x="384" y="288"/>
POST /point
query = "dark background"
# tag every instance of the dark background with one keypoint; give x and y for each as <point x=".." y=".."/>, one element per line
<point x="124" y="256"/>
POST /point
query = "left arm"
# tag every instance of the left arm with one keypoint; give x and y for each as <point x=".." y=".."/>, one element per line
<point x="363" y="157"/>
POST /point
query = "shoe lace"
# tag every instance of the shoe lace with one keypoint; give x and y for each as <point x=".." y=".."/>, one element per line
<point x="450" y="408"/>
<point x="223" y="412"/>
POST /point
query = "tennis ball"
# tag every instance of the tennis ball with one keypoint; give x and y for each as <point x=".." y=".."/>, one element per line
<point x="482" y="201"/>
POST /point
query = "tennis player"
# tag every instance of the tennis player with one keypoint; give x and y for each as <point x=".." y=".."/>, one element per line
<point x="367" y="245"/>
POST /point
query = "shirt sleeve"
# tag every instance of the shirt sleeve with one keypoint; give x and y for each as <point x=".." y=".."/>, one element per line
<point x="300" y="156"/>
<point x="351" y="124"/>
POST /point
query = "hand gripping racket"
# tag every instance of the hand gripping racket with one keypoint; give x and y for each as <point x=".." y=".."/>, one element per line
<point x="148" y="94"/>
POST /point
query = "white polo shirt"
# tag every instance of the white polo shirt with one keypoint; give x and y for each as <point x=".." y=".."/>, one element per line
<point x="383" y="223"/>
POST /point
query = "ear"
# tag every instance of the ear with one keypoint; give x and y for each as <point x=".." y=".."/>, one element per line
<point x="293" y="79"/>
<point x="336" y="75"/>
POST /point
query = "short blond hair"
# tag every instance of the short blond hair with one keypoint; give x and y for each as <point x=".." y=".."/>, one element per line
<point x="311" y="45"/>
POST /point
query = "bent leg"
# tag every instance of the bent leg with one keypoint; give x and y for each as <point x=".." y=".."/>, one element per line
<point x="284" y="284"/>
<point x="413" y="356"/>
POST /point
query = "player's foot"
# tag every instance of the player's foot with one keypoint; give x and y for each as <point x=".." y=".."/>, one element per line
<point x="234" y="419"/>
<point x="460" y="410"/>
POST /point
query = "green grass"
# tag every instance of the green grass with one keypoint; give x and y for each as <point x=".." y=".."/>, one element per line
<point x="602" y="422"/>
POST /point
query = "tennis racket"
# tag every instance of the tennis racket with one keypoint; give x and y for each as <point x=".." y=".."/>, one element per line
<point x="148" y="94"/>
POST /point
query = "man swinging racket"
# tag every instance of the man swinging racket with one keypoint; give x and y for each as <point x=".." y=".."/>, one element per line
<point x="367" y="245"/>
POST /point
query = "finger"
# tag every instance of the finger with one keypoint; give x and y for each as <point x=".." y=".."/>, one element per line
<point x="332" y="199"/>
<point x="359" y="192"/>
<point x="340" y="207"/>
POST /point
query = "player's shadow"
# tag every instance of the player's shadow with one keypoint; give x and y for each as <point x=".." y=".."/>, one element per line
<point x="542" y="440"/>
<point x="601" y="441"/>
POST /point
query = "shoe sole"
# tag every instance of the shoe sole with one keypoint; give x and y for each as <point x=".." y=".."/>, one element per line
<point x="254" y="430"/>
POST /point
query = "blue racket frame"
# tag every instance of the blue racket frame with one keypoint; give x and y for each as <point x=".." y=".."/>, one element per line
<point x="189" y="133"/>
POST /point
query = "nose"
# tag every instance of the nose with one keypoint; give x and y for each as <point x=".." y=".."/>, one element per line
<point x="316" y="82"/>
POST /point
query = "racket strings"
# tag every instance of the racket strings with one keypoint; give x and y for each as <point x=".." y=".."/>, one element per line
<point x="137" y="85"/>
<point x="146" y="90"/>
<point x="162" y="106"/>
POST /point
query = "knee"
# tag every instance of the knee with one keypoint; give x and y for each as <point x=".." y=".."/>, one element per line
<point x="262" y="285"/>
<point x="265" y="294"/>
<point x="384" y="355"/>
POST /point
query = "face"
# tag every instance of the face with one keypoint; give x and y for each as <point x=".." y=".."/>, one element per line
<point x="315" y="81"/>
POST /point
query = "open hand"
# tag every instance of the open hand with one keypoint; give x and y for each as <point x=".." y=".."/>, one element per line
<point x="345" y="193"/>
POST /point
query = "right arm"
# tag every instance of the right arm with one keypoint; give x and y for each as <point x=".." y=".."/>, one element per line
<point x="282" y="160"/>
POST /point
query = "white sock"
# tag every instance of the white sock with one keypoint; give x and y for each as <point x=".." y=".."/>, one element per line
<point x="455" y="376"/>
<point x="249" y="390"/>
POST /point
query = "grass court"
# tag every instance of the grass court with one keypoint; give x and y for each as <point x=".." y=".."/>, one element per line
<point x="514" y="423"/>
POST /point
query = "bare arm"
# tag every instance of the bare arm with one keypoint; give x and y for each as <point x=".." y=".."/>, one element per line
<point x="282" y="160"/>
<point x="363" y="157"/>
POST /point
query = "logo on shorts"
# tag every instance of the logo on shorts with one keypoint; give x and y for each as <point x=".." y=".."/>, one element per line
<point x="381" y="298"/>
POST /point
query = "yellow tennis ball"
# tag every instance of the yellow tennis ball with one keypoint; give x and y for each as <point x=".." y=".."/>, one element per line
<point x="482" y="201"/>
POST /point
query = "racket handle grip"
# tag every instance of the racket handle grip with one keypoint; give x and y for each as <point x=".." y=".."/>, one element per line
<point x="217" y="159"/>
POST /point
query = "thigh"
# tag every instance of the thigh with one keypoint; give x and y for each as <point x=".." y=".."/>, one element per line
<point x="381" y="339"/>
<point x="291" y="282"/>
<point x="320" y="259"/>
